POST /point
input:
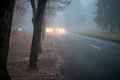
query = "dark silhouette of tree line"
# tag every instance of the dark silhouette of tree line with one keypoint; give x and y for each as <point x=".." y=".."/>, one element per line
<point x="108" y="15"/>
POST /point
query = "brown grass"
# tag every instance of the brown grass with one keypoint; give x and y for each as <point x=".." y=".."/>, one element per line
<point x="106" y="35"/>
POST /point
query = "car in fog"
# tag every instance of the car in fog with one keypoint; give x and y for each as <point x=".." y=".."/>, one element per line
<point x="55" y="30"/>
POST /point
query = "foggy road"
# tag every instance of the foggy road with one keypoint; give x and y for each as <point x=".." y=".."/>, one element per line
<point x="87" y="58"/>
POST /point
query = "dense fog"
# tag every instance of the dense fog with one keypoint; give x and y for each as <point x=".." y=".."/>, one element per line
<point x="77" y="17"/>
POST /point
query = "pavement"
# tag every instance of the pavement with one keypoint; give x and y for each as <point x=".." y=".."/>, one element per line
<point x="87" y="58"/>
<point x="18" y="59"/>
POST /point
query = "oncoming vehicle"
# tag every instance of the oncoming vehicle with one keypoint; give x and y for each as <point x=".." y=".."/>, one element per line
<point x="55" y="30"/>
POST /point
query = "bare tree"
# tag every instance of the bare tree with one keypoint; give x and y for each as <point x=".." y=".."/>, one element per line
<point x="38" y="13"/>
<point x="37" y="23"/>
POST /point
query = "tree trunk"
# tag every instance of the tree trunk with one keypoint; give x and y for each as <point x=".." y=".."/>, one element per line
<point x="37" y="34"/>
<point x="43" y="30"/>
<point x="34" y="11"/>
<point x="6" y="13"/>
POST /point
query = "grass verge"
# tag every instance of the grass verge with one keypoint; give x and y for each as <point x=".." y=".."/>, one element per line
<point x="104" y="35"/>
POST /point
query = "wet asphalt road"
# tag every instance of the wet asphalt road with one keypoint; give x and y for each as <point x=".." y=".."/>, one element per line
<point x="87" y="58"/>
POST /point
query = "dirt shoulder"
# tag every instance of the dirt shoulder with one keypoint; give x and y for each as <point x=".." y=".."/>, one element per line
<point x="18" y="60"/>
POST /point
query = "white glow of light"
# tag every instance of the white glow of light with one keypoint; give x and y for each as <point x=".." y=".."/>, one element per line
<point x="48" y="30"/>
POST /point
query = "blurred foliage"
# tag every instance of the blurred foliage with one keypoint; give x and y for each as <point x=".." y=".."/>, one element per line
<point x="21" y="6"/>
<point x="58" y="5"/>
<point x="108" y="15"/>
<point x="54" y="6"/>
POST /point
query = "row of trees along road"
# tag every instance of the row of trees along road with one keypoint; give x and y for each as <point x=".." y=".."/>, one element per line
<point x="108" y="15"/>
<point x="6" y="14"/>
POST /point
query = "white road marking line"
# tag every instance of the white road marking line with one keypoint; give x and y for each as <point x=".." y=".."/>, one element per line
<point x="95" y="46"/>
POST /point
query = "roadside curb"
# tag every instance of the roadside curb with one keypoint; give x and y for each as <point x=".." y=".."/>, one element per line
<point x="99" y="37"/>
<point x="56" y="61"/>
<point x="58" y="70"/>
